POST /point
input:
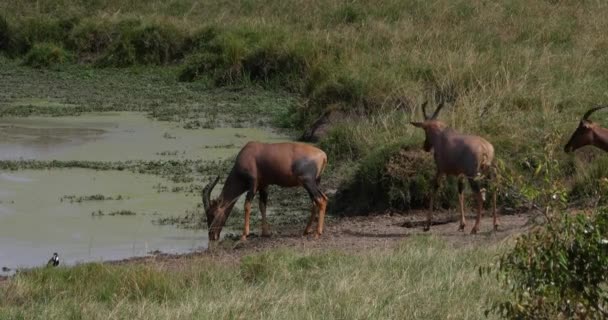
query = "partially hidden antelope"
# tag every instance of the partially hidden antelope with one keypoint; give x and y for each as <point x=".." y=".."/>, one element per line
<point x="259" y="165"/>
<point x="588" y="133"/>
<point x="465" y="156"/>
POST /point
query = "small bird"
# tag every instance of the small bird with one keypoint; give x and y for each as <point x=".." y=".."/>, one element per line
<point x="54" y="261"/>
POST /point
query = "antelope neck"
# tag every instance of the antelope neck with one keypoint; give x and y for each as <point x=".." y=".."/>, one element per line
<point x="233" y="188"/>
<point x="600" y="138"/>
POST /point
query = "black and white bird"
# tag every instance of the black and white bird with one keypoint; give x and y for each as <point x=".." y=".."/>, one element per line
<point x="54" y="261"/>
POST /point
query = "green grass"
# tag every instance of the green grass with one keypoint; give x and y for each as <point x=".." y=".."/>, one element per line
<point x="423" y="278"/>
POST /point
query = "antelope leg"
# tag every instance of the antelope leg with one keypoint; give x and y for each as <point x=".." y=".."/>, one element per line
<point x="322" y="204"/>
<point x="479" y="208"/>
<point x="461" y="201"/>
<point x="263" y="202"/>
<point x="494" y="213"/>
<point x="247" y="215"/>
<point x="313" y="213"/>
<point x="429" y="214"/>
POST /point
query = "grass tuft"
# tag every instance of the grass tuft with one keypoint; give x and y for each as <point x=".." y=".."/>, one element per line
<point x="45" y="55"/>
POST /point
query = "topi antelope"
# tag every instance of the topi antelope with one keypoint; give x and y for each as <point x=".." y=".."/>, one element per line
<point x="259" y="165"/>
<point x="588" y="133"/>
<point x="456" y="154"/>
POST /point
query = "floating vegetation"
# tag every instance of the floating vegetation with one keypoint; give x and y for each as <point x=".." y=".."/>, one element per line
<point x="160" y="188"/>
<point x="221" y="146"/>
<point x="169" y="153"/>
<point x="100" y="213"/>
<point x="198" y="124"/>
<point x="191" y="220"/>
<point x="97" y="213"/>
<point x="122" y="213"/>
<point x="178" y="171"/>
<point x="95" y="197"/>
<point x="167" y="135"/>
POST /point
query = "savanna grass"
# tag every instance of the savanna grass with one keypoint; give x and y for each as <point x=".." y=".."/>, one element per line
<point x="423" y="278"/>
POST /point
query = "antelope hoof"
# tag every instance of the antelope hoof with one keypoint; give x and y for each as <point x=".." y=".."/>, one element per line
<point x="474" y="230"/>
<point x="244" y="237"/>
<point x="426" y="228"/>
<point x="317" y="236"/>
<point x="461" y="227"/>
<point x="496" y="227"/>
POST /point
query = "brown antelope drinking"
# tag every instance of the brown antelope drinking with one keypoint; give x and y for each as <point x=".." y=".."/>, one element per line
<point x="588" y="133"/>
<point x="456" y="154"/>
<point x="259" y="165"/>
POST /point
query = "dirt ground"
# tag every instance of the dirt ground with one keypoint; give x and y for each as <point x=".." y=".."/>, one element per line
<point x="352" y="234"/>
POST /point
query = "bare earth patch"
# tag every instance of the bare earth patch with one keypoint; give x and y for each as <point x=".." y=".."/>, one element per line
<point x="352" y="235"/>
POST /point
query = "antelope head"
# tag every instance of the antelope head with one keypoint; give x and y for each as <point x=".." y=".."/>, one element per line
<point x="431" y="125"/>
<point x="585" y="134"/>
<point x="215" y="210"/>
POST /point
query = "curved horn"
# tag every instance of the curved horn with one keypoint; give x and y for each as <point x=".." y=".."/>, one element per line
<point x="592" y="110"/>
<point x="436" y="113"/>
<point x="206" y="194"/>
<point x="426" y="117"/>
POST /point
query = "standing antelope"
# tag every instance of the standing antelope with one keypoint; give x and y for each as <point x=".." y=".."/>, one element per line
<point x="588" y="133"/>
<point x="456" y="154"/>
<point x="259" y="165"/>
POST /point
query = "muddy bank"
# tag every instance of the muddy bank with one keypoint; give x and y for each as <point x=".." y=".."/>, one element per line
<point x="349" y="234"/>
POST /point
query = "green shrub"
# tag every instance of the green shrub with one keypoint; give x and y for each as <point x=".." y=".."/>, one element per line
<point x="42" y="29"/>
<point x="220" y="59"/>
<point x="265" y="57"/>
<point x="558" y="271"/>
<point x="395" y="176"/>
<point x="270" y="63"/>
<point x="131" y="43"/>
<point x="158" y="44"/>
<point x="45" y="55"/>
<point x="5" y="34"/>
<point x="591" y="185"/>
<point x="92" y="36"/>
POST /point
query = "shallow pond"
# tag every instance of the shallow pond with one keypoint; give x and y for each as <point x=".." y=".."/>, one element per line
<point x="118" y="136"/>
<point x="36" y="219"/>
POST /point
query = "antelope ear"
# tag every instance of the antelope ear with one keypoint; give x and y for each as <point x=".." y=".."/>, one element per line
<point x="417" y="124"/>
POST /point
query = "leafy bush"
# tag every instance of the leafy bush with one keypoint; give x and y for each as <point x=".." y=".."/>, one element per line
<point x="45" y="55"/>
<point x="92" y="36"/>
<point x="591" y="185"/>
<point x="42" y="29"/>
<point x="559" y="271"/>
<point x="397" y="176"/>
<point x="220" y="59"/>
<point x="5" y="34"/>
<point x="159" y="43"/>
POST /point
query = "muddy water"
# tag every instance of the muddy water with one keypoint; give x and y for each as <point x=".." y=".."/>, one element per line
<point x="34" y="222"/>
<point x="118" y="136"/>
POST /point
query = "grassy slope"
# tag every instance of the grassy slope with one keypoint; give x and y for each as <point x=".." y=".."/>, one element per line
<point x="421" y="279"/>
